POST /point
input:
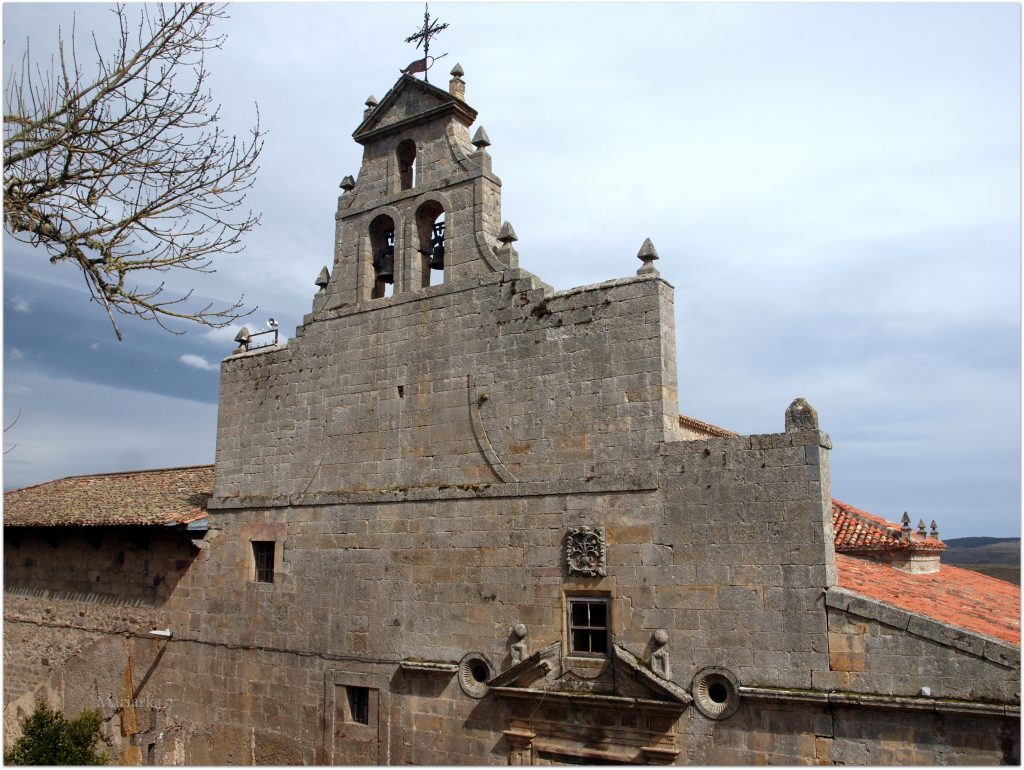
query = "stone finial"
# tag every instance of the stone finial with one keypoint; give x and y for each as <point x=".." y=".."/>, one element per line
<point x="242" y="338"/>
<point x="480" y="139"/>
<point x="507" y="252"/>
<point x="935" y="530"/>
<point x="905" y="530"/>
<point x="800" y="415"/>
<point x="324" y="278"/>
<point x="647" y="255"/>
<point x="457" y="86"/>
<point x="921" y="530"/>
<point x="659" y="657"/>
<point x="371" y="102"/>
<point x="348" y="183"/>
<point x="506" y="234"/>
<point x="519" y="649"/>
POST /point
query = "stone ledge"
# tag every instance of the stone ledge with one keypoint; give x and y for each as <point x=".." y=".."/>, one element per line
<point x="590" y="699"/>
<point x="428" y="667"/>
<point x="984" y="647"/>
<point x="442" y="289"/>
<point x="754" y="441"/>
<point x="255" y="352"/>
<point x="453" y="492"/>
<point x="356" y="209"/>
<point x="872" y="700"/>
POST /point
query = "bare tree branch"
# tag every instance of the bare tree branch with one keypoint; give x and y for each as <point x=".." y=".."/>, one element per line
<point x="124" y="171"/>
<point x="8" y="427"/>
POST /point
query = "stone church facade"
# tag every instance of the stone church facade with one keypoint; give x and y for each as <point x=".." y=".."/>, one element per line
<point x="458" y="519"/>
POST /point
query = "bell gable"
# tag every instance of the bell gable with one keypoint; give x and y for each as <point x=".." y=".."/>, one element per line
<point x="409" y="103"/>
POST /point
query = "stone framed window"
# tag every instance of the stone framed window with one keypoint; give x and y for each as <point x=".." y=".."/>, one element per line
<point x="356" y="717"/>
<point x="589" y="625"/>
<point x="263" y="559"/>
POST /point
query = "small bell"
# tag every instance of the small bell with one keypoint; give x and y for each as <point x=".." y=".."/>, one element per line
<point x="437" y="246"/>
<point x="384" y="262"/>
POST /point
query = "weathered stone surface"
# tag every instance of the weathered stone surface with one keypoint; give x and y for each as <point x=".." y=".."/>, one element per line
<point x="417" y="460"/>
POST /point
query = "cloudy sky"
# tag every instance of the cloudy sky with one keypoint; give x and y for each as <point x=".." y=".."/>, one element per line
<point x="834" y="191"/>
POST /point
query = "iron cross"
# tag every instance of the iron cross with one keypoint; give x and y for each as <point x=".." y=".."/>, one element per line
<point x="423" y="36"/>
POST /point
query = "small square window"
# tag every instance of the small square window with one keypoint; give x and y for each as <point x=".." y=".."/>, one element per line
<point x="588" y="626"/>
<point x="359" y="704"/>
<point x="263" y="553"/>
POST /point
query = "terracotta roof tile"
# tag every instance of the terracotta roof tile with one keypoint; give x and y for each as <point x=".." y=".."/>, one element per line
<point x="704" y="427"/>
<point x="956" y="596"/>
<point x="154" y="497"/>
<point x="858" y="531"/>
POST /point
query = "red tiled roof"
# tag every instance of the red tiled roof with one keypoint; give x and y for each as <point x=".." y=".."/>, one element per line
<point x="704" y="427"/>
<point x="959" y="597"/>
<point x="162" y="496"/>
<point x="858" y="531"/>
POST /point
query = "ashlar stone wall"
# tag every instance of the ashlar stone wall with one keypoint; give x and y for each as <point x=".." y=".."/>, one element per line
<point x="477" y="383"/>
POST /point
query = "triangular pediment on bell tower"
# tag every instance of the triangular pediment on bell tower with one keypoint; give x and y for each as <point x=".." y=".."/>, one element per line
<point x="409" y="103"/>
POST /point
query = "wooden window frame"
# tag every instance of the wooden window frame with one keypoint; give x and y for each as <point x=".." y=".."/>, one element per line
<point x="588" y="628"/>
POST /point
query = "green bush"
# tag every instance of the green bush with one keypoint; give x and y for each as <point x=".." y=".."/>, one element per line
<point x="47" y="738"/>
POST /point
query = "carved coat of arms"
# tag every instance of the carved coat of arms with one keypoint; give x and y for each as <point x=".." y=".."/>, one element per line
<point x="585" y="551"/>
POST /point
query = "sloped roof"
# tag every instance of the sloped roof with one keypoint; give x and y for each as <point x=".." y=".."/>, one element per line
<point x="858" y="531"/>
<point x="704" y="427"/>
<point x="444" y="103"/>
<point x="153" y="497"/>
<point x="959" y="597"/>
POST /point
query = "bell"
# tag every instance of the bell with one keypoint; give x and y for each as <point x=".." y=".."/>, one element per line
<point x="437" y="247"/>
<point x="384" y="264"/>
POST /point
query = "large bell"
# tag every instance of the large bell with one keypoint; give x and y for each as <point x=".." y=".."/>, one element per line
<point x="437" y="246"/>
<point x="384" y="262"/>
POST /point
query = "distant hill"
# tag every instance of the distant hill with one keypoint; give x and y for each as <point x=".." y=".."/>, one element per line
<point x="998" y="557"/>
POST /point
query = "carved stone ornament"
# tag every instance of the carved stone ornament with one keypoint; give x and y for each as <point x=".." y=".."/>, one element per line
<point x="585" y="551"/>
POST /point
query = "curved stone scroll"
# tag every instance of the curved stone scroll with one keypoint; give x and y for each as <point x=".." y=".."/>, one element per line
<point x="486" y="250"/>
<point x="476" y="400"/>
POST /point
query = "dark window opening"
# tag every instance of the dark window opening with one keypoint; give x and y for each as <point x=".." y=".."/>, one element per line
<point x="588" y="626"/>
<point x="359" y="704"/>
<point x="263" y="552"/>
<point x="406" y="152"/>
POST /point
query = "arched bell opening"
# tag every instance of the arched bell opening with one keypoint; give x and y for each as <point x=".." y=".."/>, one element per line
<point x="406" y="152"/>
<point x="430" y="227"/>
<point x="382" y="248"/>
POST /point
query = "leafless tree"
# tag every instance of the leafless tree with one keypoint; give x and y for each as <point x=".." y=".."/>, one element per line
<point x="123" y="171"/>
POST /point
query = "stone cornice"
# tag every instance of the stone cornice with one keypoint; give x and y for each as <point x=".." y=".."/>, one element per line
<point x="639" y="483"/>
<point x="872" y="700"/>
